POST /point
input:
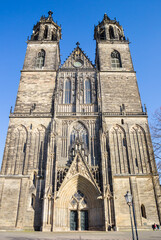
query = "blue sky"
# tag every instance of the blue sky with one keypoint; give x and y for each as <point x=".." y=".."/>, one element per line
<point x="141" y="20"/>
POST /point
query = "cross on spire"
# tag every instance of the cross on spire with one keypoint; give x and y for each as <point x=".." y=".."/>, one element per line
<point x="77" y="44"/>
<point x="50" y="13"/>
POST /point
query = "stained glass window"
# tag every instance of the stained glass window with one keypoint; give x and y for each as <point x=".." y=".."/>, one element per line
<point x="78" y="200"/>
<point x="67" y="91"/>
<point x="78" y="195"/>
<point x="87" y="92"/>
<point x="79" y="132"/>
<point x="73" y="202"/>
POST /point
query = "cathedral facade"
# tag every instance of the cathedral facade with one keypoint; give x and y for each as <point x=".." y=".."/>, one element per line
<point x="78" y="139"/>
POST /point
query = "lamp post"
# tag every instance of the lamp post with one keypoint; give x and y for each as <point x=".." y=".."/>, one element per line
<point x="128" y="198"/>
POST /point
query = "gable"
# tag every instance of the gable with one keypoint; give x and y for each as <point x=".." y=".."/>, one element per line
<point x="77" y="59"/>
<point x="79" y="167"/>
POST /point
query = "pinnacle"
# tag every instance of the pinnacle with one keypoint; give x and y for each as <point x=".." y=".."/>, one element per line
<point x="106" y="17"/>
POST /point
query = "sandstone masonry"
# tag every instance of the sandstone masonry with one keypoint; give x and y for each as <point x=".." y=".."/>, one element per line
<point x="78" y="139"/>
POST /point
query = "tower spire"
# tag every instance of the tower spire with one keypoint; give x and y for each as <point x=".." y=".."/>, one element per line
<point x="46" y="29"/>
<point x="109" y="30"/>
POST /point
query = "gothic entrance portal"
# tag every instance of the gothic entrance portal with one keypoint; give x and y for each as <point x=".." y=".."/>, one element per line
<point x="79" y="212"/>
<point x="77" y="206"/>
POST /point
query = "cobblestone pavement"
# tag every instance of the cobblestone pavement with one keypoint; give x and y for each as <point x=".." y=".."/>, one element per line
<point x="143" y="235"/>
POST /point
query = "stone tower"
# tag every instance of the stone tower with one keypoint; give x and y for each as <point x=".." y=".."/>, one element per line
<point x="78" y="139"/>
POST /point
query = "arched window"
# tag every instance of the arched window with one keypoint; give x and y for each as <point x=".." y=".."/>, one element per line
<point x="54" y="37"/>
<point x="79" y="132"/>
<point x="40" y="59"/>
<point x="36" y="33"/>
<point x="115" y="59"/>
<point x="33" y="200"/>
<point x="67" y="91"/>
<point x="46" y="32"/>
<point x="87" y="92"/>
<point x="36" y="36"/>
<point x="143" y="212"/>
<point x="111" y="32"/>
<point x="84" y="137"/>
<point x="72" y="137"/>
<point x="102" y="34"/>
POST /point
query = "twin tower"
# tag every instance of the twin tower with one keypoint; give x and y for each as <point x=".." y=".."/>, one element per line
<point x="78" y="139"/>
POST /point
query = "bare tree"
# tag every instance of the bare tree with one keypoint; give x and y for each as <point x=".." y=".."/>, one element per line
<point x="156" y="138"/>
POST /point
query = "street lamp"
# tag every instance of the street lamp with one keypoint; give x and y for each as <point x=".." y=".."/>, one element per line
<point x="128" y="198"/>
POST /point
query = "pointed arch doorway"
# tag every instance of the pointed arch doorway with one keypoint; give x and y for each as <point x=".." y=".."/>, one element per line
<point x="78" y="212"/>
<point x="77" y="207"/>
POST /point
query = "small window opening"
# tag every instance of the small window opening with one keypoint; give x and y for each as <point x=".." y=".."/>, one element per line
<point x="34" y="179"/>
<point x="124" y="142"/>
<point x="33" y="200"/>
<point x="24" y="148"/>
<point x="122" y="121"/>
<point x="143" y="211"/>
<point x="136" y="162"/>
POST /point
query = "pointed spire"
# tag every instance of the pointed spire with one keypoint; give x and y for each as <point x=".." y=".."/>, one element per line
<point x="38" y="32"/>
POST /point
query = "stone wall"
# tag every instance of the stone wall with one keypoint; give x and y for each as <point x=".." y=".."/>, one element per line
<point x="143" y="193"/>
<point x="106" y="48"/>
<point x="119" y="88"/>
<point x="35" y="88"/>
<point x="51" y="55"/>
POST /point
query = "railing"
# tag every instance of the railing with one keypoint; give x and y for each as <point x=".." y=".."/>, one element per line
<point x="77" y="113"/>
<point x="65" y="108"/>
<point x="124" y="113"/>
<point x="69" y="110"/>
<point x="30" y="115"/>
<point x="73" y="110"/>
<point x="88" y="108"/>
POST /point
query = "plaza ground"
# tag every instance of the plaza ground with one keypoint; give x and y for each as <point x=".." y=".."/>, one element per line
<point x="143" y="235"/>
